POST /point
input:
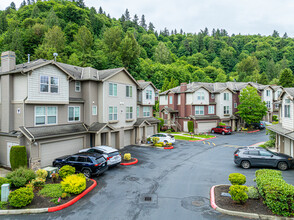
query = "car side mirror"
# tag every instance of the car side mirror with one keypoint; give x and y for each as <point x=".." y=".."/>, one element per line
<point x="272" y="155"/>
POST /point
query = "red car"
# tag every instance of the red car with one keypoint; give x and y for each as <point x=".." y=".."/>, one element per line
<point x="222" y="130"/>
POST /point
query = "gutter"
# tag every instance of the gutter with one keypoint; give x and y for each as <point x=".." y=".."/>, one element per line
<point x="31" y="139"/>
<point x="60" y="135"/>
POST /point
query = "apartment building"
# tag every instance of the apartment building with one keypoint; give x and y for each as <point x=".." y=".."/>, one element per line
<point x="56" y="109"/>
<point x="207" y="104"/>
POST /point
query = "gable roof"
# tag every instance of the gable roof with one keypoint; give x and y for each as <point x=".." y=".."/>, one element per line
<point x="143" y="84"/>
<point x="148" y="121"/>
<point x="98" y="127"/>
<point x="289" y="91"/>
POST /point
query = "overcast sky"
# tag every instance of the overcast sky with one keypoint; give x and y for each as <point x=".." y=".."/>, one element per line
<point x="236" y="16"/>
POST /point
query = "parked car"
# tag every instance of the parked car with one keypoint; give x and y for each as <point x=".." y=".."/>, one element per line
<point x="258" y="125"/>
<point x="167" y="138"/>
<point x="266" y="123"/>
<point x="87" y="163"/>
<point x="247" y="157"/>
<point x="111" y="154"/>
<point x="222" y="129"/>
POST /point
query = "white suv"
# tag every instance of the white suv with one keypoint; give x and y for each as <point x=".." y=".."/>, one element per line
<point x="167" y="138"/>
<point x="111" y="154"/>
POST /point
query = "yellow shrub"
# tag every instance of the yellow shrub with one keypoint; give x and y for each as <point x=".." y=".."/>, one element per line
<point x="74" y="184"/>
<point x="158" y="145"/>
<point x="162" y="143"/>
<point x="42" y="173"/>
<point x="127" y="156"/>
<point x="155" y="140"/>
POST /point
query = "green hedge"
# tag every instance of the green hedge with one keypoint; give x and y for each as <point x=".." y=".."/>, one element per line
<point x="277" y="194"/>
<point x="191" y="126"/>
<point x="18" y="157"/>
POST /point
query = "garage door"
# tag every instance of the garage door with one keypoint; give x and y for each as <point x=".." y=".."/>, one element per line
<point x="50" y="151"/>
<point x="149" y="131"/>
<point x="205" y="126"/>
<point x="127" y="137"/>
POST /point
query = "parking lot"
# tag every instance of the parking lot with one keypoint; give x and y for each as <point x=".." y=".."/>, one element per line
<point x="164" y="184"/>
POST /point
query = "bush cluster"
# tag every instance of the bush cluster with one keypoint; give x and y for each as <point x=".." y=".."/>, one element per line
<point x="155" y="140"/>
<point x="127" y="156"/>
<point x="21" y="197"/>
<point x="238" y="193"/>
<point x="237" y="179"/>
<point x="66" y="171"/>
<point x="277" y="194"/>
<point x="158" y="145"/>
<point x="38" y="182"/>
<point x="252" y="193"/>
<point x="21" y="176"/>
<point x="42" y="173"/>
<point x="74" y="184"/>
<point x="18" y="157"/>
<point x="52" y="190"/>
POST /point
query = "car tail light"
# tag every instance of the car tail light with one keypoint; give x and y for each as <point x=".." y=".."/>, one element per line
<point x="98" y="164"/>
<point x="108" y="158"/>
<point x="261" y="124"/>
<point x="236" y="155"/>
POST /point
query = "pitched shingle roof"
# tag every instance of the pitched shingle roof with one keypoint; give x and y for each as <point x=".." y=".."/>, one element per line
<point x="150" y="120"/>
<point x="290" y="91"/>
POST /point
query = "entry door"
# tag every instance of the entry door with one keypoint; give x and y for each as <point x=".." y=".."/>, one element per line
<point x="9" y="145"/>
<point x="186" y="126"/>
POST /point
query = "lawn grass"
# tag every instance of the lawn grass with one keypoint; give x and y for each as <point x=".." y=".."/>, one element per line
<point x="51" y="190"/>
<point x="178" y="137"/>
<point x="200" y="135"/>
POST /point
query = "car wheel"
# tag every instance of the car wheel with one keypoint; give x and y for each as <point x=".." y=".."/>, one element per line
<point x="87" y="173"/>
<point x="212" y="131"/>
<point x="165" y="141"/>
<point x="282" y="166"/>
<point x="245" y="164"/>
<point x="223" y="133"/>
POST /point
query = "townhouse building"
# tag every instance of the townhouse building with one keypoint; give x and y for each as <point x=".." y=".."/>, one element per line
<point x="55" y="109"/>
<point x="207" y="104"/>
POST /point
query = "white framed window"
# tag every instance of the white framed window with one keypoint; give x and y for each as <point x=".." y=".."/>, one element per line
<point x="199" y="110"/>
<point x="165" y="98"/>
<point x="148" y="94"/>
<point x="45" y="115"/>
<point x="226" y="110"/>
<point x="74" y="113"/>
<point x="112" y="89"/>
<point x="49" y="84"/>
<point x="287" y="101"/>
<point x="179" y="99"/>
<point x="129" y="91"/>
<point x="211" y="109"/>
<point x="235" y="105"/>
<point x="112" y="110"/>
<point x="268" y="104"/>
<point x="287" y="111"/>
<point x="170" y="100"/>
<point x="212" y="96"/>
<point x="226" y="96"/>
<point x="94" y="110"/>
<point x="200" y="95"/>
<point x="78" y="86"/>
<point x="138" y="111"/>
<point x="129" y="112"/>
<point x="146" y="111"/>
<point x="268" y="92"/>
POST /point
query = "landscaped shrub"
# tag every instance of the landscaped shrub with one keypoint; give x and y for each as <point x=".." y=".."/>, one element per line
<point x="222" y="124"/>
<point x="21" y="197"/>
<point x="277" y="194"/>
<point x="191" y="126"/>
<point x="18" y="157"/>
<point x="127" y="156"/>
<point x="238" y="193"/>
<point x="158" y="145"/>
<point x="161" y="123"/>
<point x="54" y="177"/>
<point x="74" y="184"/>
<point x="42" y="173"/>
<point x="162" y="143"/>
<point x="155" y="140"/>
<point x="275" y="118"/>
<point x="148" y="139"/>
<point x="38" y="182"/>
<point x="252" y="193"/>
<point x="237" y="179"/>
<point x="66" y="171"/>
<point x="3" y="181"/>
<point x="21" y="176"/>
<point x="52" y="190"/>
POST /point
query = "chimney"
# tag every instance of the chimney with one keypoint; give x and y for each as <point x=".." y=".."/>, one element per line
<point x="8" y="62"/>
<point x="183" y="87"/>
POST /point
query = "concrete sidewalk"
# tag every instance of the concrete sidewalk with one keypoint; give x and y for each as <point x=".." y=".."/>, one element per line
<point x="3" y="172"/>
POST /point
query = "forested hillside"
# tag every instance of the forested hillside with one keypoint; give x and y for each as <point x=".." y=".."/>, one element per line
<point x="88" y="37"/>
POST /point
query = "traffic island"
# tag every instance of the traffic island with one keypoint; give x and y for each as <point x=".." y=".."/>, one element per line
<point x="168" y="148"/>
<point x="129" y="162"/>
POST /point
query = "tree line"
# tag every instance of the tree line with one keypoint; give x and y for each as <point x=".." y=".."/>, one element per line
<point x="86" y="37"/>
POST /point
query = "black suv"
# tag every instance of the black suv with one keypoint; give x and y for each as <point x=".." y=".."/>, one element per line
<point x="86" y="163"/>
<point x="258" y="156"/>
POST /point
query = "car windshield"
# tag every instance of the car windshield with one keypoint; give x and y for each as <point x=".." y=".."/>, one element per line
<point x="228" y="127"/>
<point x="113" y="154"/>
<point x="100" y="160"/>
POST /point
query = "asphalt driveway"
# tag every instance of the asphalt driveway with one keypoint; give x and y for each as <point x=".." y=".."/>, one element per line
<point x="165" y="184"/>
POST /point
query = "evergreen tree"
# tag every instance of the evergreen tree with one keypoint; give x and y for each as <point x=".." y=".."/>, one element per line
<point x="263" y="79"/>
<point x="127" y="15"/>
<point x="285" y="36"/>
<point x="100" y="11"/>
<point x="28" y="2"/>
<point x="23" y="4"/>
<point x="275" y="34"/>
<point x="135" y="20"/>
<point x="143" y="22"/>
<point x="151" y="27"/>
<point x="12" y="5"/>
<point x="286" y="78"/>
<point x="130" y="50"/>
<point x="80" y="3"/>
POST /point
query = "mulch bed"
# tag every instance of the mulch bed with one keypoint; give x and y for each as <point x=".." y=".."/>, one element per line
<point x="44" y="202"/>
<point x="252" y="205"/>
<point x="128" y="161"/>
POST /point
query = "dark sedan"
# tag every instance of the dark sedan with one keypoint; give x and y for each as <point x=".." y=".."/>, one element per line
<point x="260" y="157"/>
<point x="86" y="163"/>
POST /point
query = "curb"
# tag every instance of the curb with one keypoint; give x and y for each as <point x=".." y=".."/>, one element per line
<point x="256" y="144"/>
<point x="241" y="214"/>
<point x="51" y="209"/>
<point x="249" y="132"/>
<point x="166" y="148"/>
<point x="204" y="139"/>
<point x="131" y="163"/>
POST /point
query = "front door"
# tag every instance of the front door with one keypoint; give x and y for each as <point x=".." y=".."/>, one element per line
<point x="92" y="140"/>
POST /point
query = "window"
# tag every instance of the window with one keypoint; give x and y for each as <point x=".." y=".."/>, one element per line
<point x="235" y="105"/>
<point x="199" y="110"/>
<point x="279" y="93"/>
<point x="254" y="152"/>
<point x="170" y="100"/>
<point x="112" y="89"/>
<point x="287" y="111"/>
<point x="49" y="84"/>
<point x="73" y="113"/>
<point x="287" y="101"/>
<point x="265" y="153"/>
<point x="129" y="112"/>
<point x="146" y="111"/>
<point x="212" y="96"/>
<point x="268" y="92"/>
<point x="200" y="95"/>
<point x="94" y="110"/>
<point x="148" y="94"/>
<point x="226" y="96"/>
<point x="211" y="109"/>
<point x="165" y="98"/>
<point x="268" y="104"/>
<point x="179" y="99"/>
<point x="138" y="111"/>
<point x="112" y="113"/>
<point x="77" y="86"/>
<point x="276" y="105"/>
<point x="129" y="91"/>
<point x="45" y="115"/>
<point x="226" y="110"/>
